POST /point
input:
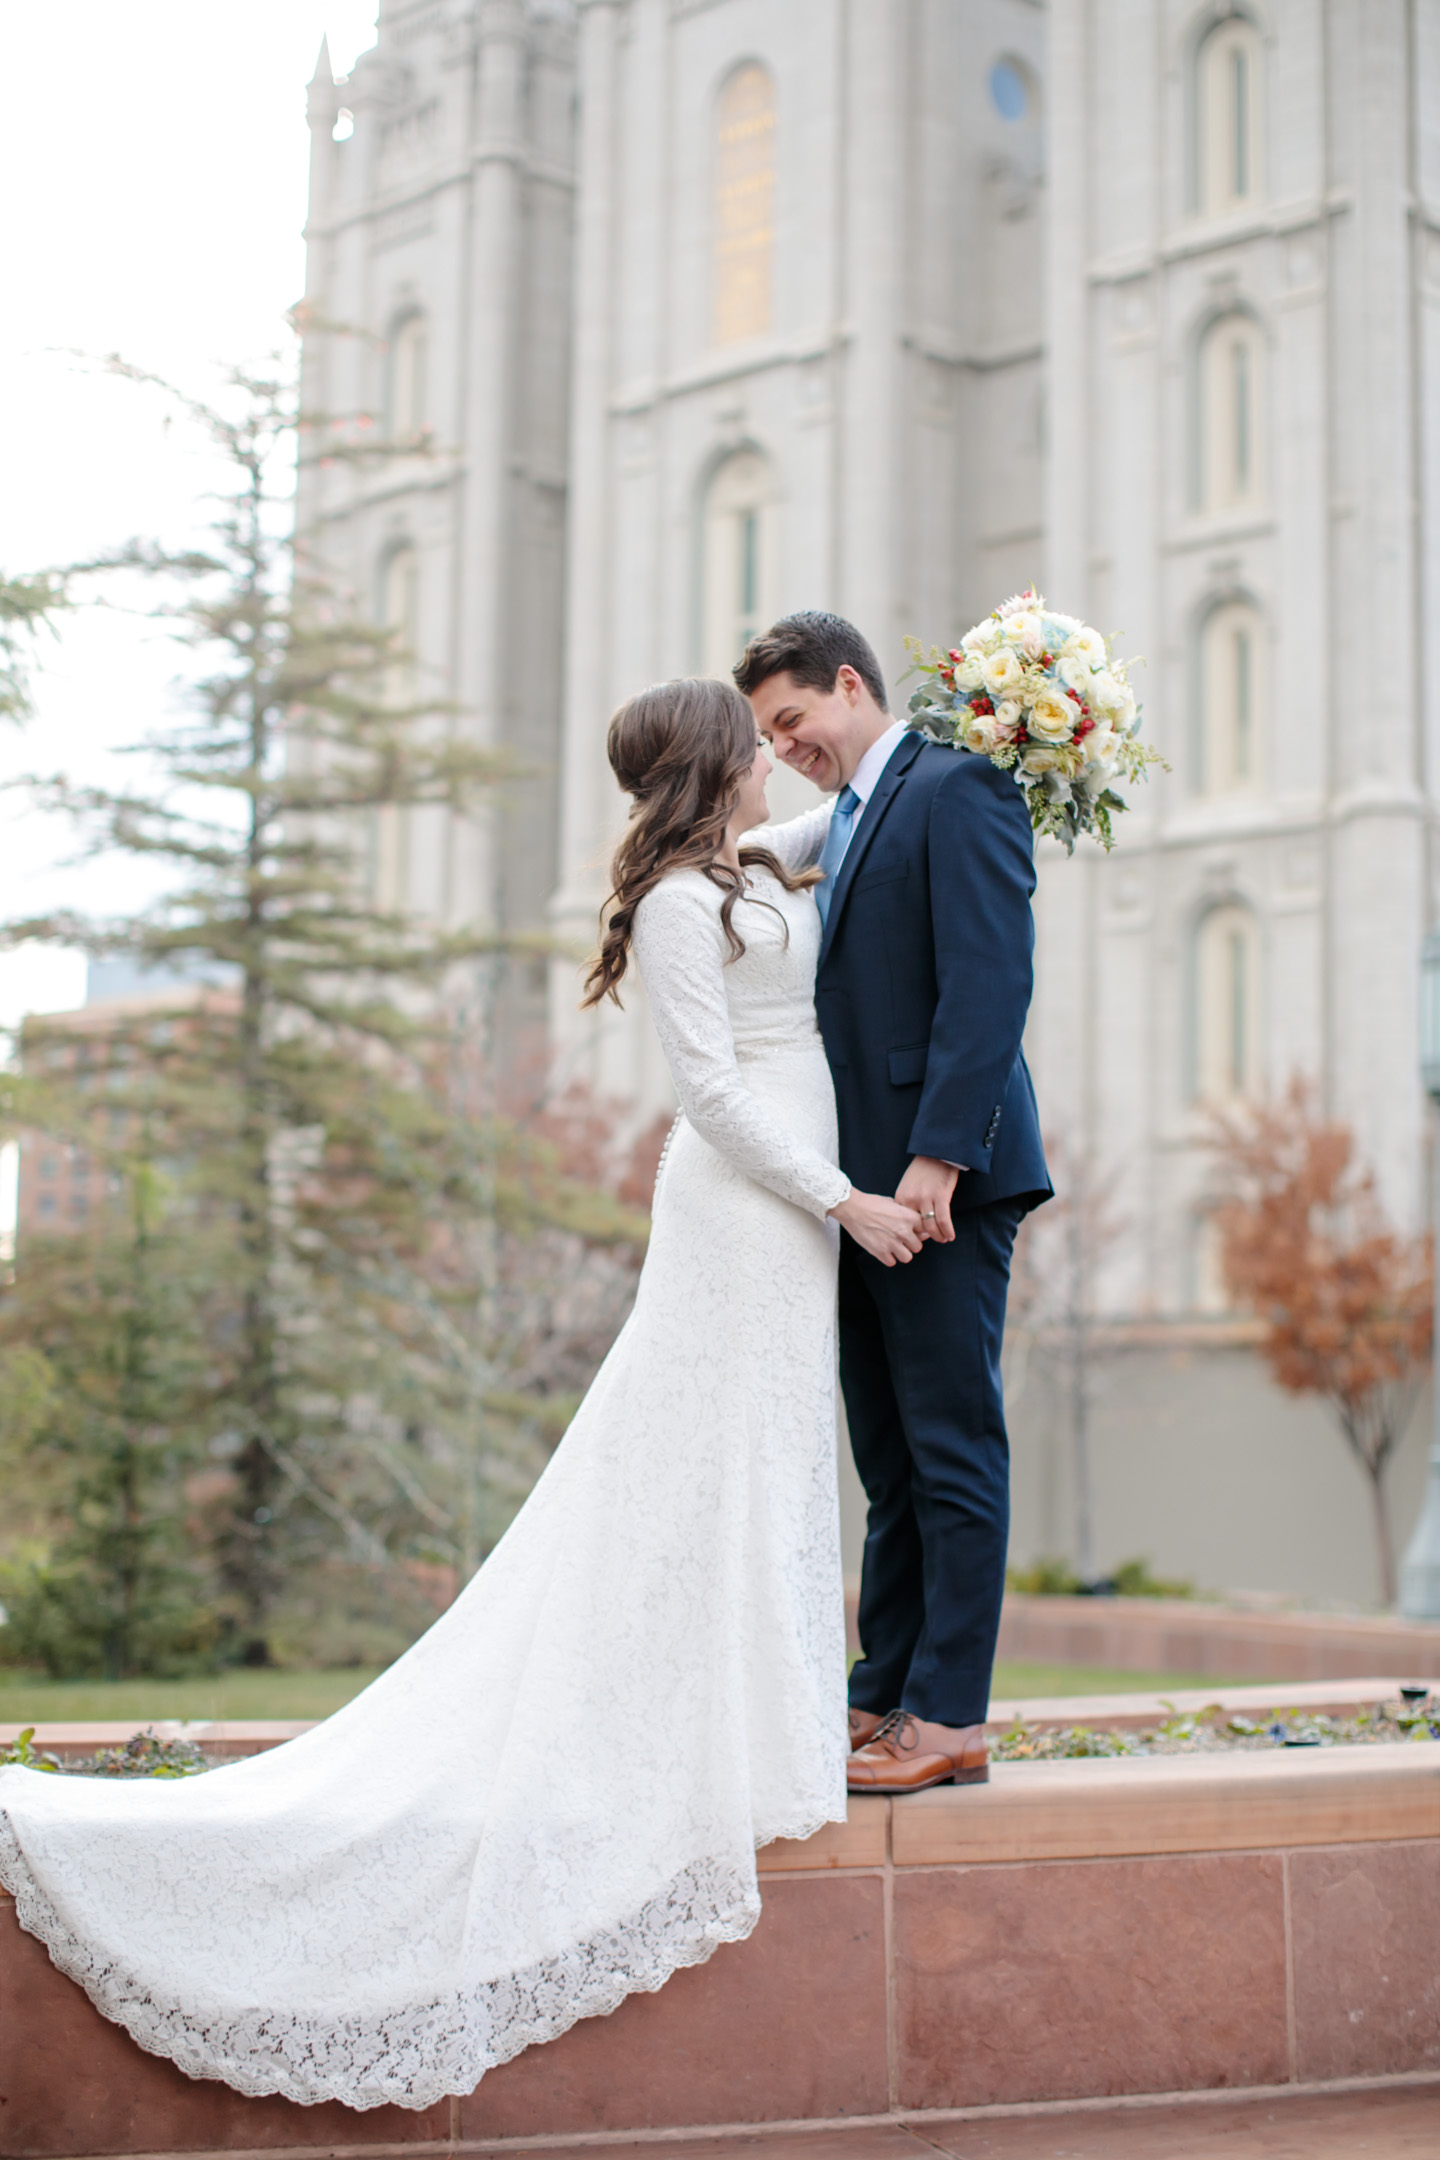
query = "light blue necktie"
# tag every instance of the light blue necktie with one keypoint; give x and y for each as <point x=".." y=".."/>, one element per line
<point x="837" y="840"/>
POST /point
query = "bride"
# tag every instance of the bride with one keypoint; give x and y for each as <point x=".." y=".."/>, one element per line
<point x="554" y="1799"/>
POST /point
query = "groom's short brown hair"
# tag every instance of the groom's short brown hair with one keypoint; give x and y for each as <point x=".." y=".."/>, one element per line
<point x="811" y="647"/>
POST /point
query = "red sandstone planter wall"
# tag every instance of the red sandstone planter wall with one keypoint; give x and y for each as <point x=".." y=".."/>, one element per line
<point x="1071" y="1930"/>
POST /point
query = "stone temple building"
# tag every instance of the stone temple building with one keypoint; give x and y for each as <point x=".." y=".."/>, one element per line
<point x="695" y="311"/>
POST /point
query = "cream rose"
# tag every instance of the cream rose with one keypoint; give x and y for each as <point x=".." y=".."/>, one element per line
<point x="1003" y="672"/>
<point x="1041" y="758"/>
<point x="1009" y="719"/>
<point x="969" y="674"/>
<point x="981" y="734"/>
<point x="1053" y="716"/>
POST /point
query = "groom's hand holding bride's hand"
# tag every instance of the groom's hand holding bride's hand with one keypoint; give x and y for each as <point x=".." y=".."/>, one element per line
<point x="928" y="1186"/>
<point x="886" y="1229"/>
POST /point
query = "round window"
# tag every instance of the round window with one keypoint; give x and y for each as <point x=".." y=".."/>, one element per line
<point x="1009" y="90"/>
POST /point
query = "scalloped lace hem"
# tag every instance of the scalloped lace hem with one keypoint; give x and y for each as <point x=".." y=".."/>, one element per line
<point x="421" y="2053"/>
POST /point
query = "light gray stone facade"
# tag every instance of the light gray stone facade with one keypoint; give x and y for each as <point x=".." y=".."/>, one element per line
<point x="891" y="306"/>
<point x="438" y="314"/>
<point x="1319" y="858"/>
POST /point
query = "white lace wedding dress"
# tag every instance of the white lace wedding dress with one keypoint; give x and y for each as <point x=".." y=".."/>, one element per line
<point x="555" y="1797"/>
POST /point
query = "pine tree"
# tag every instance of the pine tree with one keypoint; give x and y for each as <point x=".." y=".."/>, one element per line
<point x="101" y="1376"/>
<point x="339" y="1183"/>
<point x="26" y="603"/>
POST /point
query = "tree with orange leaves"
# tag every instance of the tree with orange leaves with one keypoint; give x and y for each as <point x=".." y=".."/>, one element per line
<point x="1347" y="1302"/>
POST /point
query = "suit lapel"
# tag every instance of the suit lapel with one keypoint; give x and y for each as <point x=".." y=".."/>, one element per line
<point x="887" y="787"/>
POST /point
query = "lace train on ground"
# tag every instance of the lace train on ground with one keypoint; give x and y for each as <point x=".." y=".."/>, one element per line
<point x="553" y="1800"/>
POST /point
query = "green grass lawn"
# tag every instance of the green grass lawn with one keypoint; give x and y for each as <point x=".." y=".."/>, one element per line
<point x="315" y="1694"/>
<point x="25" y="1701"/>
<point x="1041" y="1680"/>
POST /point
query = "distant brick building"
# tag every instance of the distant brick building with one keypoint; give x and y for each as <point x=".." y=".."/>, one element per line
<point x="64" y="1186"/>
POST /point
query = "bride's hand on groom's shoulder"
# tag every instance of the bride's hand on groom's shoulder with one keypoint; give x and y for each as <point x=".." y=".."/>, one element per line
<point x="888" y="1231"/>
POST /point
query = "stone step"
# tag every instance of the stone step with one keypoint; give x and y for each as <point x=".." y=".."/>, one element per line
<point x="1071" y="1932"/>
<point x="1399" y="2121"/>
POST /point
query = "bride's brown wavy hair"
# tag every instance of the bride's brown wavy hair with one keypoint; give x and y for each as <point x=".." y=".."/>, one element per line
<point x="681" y="750"/>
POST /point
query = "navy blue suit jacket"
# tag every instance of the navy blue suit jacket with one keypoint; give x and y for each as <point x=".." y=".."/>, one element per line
<point x="924" y="979"/>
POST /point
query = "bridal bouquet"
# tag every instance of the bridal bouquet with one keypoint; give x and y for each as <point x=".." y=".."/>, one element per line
<point x="1041" y="695"/>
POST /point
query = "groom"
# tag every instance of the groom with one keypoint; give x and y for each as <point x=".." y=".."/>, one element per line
<point x="922" y="990"/>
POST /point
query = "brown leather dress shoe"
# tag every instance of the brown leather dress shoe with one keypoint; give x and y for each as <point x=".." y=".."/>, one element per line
<point x="864" y="1724"/>
<point x="905" y="1756"/>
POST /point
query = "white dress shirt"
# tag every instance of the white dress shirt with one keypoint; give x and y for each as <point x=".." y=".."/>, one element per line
<point x="867" y="773"/>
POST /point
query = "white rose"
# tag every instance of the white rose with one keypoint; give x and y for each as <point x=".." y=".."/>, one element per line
<point x="1025" y="632"/>
<point x="1003" y="672"/>
<point x="1090" y="646"/>
<point x="980" y="639"/>
<point x="981" y="734"/>
<point x="1009" y="719"/>
<point x="968" y="673"/>
<point x="1099" y="748"/>
<point x="1106" y="695"/>
<point x="1073" y="672"/>
<point x="1053" y="716"/>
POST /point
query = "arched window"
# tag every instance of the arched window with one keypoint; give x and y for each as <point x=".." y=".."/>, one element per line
<point x="1208" y="1290"/>
<point x="1228" y="111"/>
<point x="390" y="824"/>
<point x="744" y="205"/>
<point x="739" y="520"/>
<point x="1227" y="1005"/>
<point x="406" y="412"/>
<point x="1232" y="699"/>
<point x="400" y="609"/>
<point x="1231" y="382"/>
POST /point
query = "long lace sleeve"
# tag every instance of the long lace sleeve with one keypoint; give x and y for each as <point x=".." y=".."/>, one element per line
<point x="681" y="949"/>
<point x="797" y="843"/>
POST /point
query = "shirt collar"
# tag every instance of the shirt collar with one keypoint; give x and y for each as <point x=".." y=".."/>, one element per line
<point x="876" y="758"/>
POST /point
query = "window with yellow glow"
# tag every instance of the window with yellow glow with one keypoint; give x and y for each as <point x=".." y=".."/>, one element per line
<point x="744" y="205"/>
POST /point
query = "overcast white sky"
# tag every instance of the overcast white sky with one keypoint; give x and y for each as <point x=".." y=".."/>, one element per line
<point x="154" y="160"/>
